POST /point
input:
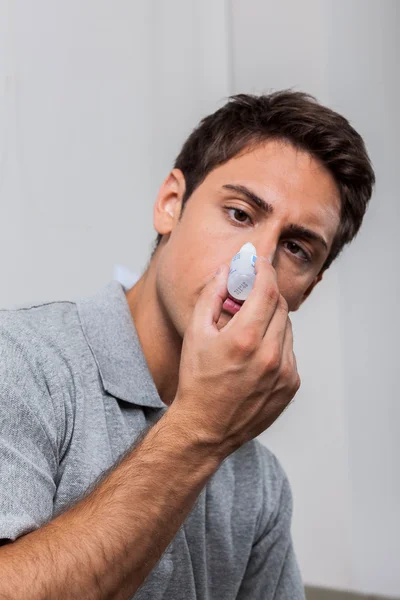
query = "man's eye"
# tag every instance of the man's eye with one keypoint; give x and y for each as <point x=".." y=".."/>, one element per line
<point x="298" y="251"/>
<point x="240" y="215"/>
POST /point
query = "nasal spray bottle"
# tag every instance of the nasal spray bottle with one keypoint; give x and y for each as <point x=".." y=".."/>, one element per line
<point x="242" y="273"/>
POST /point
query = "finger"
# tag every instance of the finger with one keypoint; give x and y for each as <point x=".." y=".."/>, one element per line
<point x="295" y="362"/>
<point x="258" y="309"/>
<point x="208" y="307"/>
<point x="289" y="363"/>
<point x="277" y="335"/>
<point x="287" y="346"/>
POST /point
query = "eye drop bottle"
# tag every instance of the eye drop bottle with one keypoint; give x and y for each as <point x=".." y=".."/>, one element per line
<point x="242" y="272"/>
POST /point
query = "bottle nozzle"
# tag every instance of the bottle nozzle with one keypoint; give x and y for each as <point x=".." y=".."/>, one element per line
<point x="248" y="247"/>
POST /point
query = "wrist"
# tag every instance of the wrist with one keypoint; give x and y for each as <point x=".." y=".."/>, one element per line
<point x="193" y="438"/>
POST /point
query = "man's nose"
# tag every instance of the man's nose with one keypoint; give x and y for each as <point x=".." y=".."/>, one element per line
<point x="266" y="248"/>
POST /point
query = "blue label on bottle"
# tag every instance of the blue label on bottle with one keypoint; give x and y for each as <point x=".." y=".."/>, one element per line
<point x="253" y="262"/>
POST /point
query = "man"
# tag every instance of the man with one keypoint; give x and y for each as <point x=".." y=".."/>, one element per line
<point x="129" y="466"/>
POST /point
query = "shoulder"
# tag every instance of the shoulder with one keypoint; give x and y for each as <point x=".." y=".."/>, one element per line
<point x="39" y="336"/>
<point x="260" y="464"/>
<point x="271" y="467"/>
<point x="259" y="470"/>
<point x="35" y="321"/>
<point x="35" y="370"/>
<point x="277" y="504"/>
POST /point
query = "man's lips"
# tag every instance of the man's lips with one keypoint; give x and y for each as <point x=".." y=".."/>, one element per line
<point x="232" y="306"/>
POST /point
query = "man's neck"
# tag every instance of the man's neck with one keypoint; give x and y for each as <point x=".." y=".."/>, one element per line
<point x="160" y="342"/>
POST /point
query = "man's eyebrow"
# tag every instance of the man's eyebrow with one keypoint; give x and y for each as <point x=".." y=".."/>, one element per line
<point x="242" y="189"/>
<point x="297" y="230"/>
<point x="307" y="234"/>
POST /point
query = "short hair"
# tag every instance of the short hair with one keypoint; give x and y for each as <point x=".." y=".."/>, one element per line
<point x="247" y="121"/>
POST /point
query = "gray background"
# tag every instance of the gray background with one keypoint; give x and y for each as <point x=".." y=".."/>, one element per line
<point x="96" y="97"/>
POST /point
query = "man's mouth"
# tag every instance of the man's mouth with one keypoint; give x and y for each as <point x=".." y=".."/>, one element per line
<point x="232" y="306"/>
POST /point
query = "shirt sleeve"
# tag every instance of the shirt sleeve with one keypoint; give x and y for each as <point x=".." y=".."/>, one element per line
<point x="272" y="572"/>
<point x="28" y="440"/>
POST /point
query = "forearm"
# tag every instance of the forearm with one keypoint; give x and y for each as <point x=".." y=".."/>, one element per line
<point x="107" y="544"/>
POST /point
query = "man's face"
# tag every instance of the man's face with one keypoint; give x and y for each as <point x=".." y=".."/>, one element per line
<point x="220" y="217"/>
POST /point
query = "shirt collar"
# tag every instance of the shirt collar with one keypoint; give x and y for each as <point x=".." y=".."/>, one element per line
<point x="111" y="334"/>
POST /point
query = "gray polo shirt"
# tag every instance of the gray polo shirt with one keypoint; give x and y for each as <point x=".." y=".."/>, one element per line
<point x="75" y="392"/>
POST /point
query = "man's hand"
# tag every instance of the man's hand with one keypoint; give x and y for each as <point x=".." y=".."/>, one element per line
<point x="234" y="382"/>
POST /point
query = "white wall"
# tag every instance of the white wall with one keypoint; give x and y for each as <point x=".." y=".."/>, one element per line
<point x="95" y="100"/>
<point x="96" y="97"/>
<point x="339" y="441"/>
<point x="366" y="86"/>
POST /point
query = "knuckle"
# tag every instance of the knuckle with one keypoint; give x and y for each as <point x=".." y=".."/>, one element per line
<point x="246" y="343"/>
<point x="287" y="371"/>
<point x="297" y="382"/>
<point x="273" y="294"/>
<point x="273" y="361"/>
<point x="283" y="305"/>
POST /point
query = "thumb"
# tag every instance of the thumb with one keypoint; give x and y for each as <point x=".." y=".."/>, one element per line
<point x="209" y="304"/>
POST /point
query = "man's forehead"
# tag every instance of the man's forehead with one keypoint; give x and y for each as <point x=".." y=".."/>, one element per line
<point x="277" y="160"/>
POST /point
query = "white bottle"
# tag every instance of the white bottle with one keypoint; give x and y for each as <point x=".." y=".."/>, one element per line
<point x="242" y="272"/>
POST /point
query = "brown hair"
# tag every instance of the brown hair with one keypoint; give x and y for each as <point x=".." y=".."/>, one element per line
<point x="248" y="120"/>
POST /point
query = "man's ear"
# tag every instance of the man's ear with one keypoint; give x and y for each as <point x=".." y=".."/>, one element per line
<point x="309" y="290"/>
<point x="167" y="207"/>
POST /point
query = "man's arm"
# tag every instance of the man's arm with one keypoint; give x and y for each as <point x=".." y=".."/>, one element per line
<point x="108" y="543"/>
